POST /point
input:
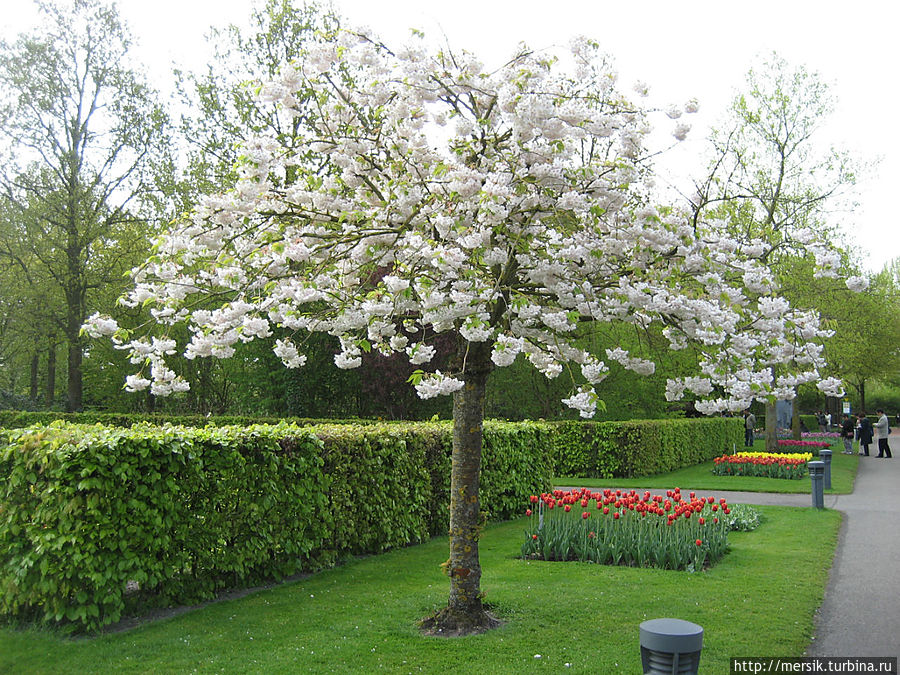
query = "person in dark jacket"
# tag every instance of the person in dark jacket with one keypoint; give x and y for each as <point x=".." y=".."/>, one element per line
<point x="749" y="427"/>
<point x="864" y="432"/>
<point x="848" y="428"/>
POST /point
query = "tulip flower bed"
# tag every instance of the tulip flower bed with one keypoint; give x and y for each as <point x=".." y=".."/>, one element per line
<point x="616" y="527"/>
<point x="789" y="443"/>
<point x="762" y="464"/>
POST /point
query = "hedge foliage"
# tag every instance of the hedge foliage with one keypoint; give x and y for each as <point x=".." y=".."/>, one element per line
<point x="17" y="419"/>
<point x="88" y="514"/>
<point x="97" y="520"/>
<point x="640" y="447"/>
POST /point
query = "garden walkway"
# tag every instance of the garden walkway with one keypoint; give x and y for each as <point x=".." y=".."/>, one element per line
<point x="860" y="615"/>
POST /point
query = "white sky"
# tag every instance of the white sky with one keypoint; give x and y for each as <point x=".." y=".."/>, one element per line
<point x="692" y="48"/>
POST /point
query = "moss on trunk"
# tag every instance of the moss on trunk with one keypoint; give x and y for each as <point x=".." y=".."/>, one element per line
<point x="465" y="613"/>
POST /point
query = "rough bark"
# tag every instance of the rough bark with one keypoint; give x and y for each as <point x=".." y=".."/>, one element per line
<point x="771" y="428"/>
<point x="74" y="400"/>
<point x="50" y="394"/>
<point x="33" y="388"/>
<point x="465" y="613"/>
<point x="75" y="316"/>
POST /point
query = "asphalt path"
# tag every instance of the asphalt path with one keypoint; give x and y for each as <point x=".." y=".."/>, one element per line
<point x="860" y="615"/>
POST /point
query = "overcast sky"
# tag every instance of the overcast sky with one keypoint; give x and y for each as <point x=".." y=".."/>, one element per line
<point x="692" y="48"/>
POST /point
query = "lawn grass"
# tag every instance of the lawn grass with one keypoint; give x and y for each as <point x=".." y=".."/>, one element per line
<point x="361" y="617"/>
<point x="700" y="477"/>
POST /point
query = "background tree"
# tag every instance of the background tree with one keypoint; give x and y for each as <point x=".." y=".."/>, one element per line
<point x="773" y="183"/>
<point x="32" y="312"/>
<point x="865" y="346"/>
<point x="80" y="131"/>
<point x="222" y="109"/>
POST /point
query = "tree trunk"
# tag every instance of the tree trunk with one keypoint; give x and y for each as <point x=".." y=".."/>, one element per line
<point x="74" y="374"/>
<point x="795" y="421"/>
<point x="51" y="370"/>
<point x="862" y="396"/>
<point x="771" y="428"/>
<point x="35" y="365"/>
<point x="465" y="614"/>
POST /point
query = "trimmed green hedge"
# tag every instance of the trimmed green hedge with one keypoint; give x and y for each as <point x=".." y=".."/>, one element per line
<point x="87" y="511"/>
<point x="181" y="512"/>
<point x="640" y="448"/>
<point x="17" y="419"/>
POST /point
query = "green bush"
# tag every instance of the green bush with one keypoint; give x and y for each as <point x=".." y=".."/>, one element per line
<point x="743" y="518"/>
<point x="639" y="448"/>
<point x="16" y="419"/>
<point x="89" y="512"/>
<point x="809" y="422"/>
<point x="380" y="488"/>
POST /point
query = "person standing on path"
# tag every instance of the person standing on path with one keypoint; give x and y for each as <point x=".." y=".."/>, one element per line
<point x="749" y="427"/>
<point x="882" y="431"/>
<point x="864" y="432"/>
<point x="848" y="428"/>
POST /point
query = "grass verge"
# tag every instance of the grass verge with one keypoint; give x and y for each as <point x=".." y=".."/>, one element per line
<point x="700" y="477"/>
<point x="361" y="617"/>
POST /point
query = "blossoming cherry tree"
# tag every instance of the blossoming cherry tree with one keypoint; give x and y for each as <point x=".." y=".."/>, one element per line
<point x="427" y="194"/>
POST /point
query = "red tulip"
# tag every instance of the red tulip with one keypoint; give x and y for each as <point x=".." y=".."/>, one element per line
<point x="699" y="542"/>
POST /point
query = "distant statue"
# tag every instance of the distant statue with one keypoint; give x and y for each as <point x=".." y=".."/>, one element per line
<point x="784" y="414"/>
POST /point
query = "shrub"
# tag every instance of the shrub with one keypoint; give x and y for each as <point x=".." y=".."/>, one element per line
<point x="182" y="512"/>
<point x="742" y="518"/>
<point x="17" y="419"/>
<point x="88" y="512"/>
<point x="641" y="447"/>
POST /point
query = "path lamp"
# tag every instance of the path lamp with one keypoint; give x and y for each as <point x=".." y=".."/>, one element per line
<point x="817" y="476"/>
<point x="670" y="647"/>
<point x="825" y="456"/>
